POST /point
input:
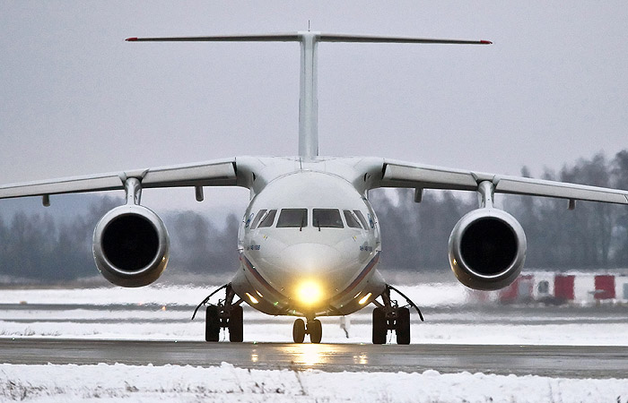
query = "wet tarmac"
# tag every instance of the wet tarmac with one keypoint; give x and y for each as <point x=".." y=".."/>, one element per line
<point x="552" y="361"/>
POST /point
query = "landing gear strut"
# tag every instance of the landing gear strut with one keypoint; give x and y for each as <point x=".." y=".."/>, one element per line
<point x="313" y="328"/>
<point x="227" y="314"/>
<point x="389" y="316"/>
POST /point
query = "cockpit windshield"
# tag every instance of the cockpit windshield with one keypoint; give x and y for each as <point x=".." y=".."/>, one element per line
<point x="299" y="217"/>
<point x="268" y="219"/>
<point x="351" y="219"/>
<point x="326" y="218"/>
<point x="292" y="218"/>
<point x="258" y="218"/>
<point x="361" y="218"/>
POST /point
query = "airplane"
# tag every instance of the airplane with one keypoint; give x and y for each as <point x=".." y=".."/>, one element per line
<point x="309" y="243"/>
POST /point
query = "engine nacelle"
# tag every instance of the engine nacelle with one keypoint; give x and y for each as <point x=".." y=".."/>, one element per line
<point x="487" y="249"/>
<point x="130" y="246"/>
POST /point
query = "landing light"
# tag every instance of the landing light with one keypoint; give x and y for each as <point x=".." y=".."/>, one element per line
<point x="309" y="292"/>
<point x="365" y="298"/>
<point x="252" y="298"/>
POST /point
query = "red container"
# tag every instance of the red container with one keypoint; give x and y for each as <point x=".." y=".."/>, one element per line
<point x="604" y="287"/>
<point x="519" y="291"/>
<point x="564" y="287"/>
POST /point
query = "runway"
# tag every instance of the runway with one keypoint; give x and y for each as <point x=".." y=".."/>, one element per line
<point x="551" y="361"/>
<point x="153" y="326"/>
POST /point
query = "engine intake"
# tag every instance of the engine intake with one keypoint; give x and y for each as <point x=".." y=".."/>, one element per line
<point x="130" y="246"/>
<point x="487" y="249"/>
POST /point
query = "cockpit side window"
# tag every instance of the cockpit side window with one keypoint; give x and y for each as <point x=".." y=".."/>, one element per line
<point x="326" y="218"/>
<point x="351" y="220"/>
<point x="361" y="218"/>
<point x="258" y="218"/>
<point x="268" y="219"/>
<point x="292" y="218"/>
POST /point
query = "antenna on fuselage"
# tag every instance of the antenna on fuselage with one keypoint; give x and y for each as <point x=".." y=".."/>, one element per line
<point x="308" y="100"/>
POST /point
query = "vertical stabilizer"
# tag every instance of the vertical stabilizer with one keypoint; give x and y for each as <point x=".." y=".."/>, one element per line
<point x="308" y="99"/>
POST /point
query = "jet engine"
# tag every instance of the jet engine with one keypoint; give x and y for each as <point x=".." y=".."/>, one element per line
<point x="130" y="246"/>
<point x="487" y="248"/>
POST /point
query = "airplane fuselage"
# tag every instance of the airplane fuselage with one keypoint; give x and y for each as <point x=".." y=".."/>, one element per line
<point x="309" y="245"/>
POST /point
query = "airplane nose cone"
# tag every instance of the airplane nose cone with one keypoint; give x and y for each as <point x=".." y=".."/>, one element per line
<point x="310" y="258"/>
<point x="311" y="272"/>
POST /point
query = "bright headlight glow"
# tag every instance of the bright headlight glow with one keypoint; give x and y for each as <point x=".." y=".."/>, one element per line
<point x="252" y="298"/>
<point x="365" y="298"/>
<point x="309" y="292"/>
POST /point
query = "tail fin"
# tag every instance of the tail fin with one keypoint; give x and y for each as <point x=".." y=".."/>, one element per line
<point x="308" y="102"/>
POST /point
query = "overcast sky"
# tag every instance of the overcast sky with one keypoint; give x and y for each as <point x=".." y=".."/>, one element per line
<point x="75" y="98"/>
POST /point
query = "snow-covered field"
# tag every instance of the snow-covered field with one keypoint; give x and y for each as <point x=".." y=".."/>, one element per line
<point x="109" y="383"/>
<point x="162" y="313"/>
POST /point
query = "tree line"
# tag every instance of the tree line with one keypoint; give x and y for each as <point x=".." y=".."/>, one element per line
<point x="35" y="245"/>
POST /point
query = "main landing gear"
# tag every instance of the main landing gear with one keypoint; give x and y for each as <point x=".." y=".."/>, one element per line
<point x="226" y="314"/>
<point x="389" y="316"/>
<point x="313" y="328"/>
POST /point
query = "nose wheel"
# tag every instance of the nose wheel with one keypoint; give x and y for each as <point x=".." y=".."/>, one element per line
<point x="313" y="328"/>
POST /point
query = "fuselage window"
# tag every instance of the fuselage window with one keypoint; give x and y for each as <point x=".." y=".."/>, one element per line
<point x="292" y="218"/>
<point x="351" y="220"/>
<point x="326" y="218"/>
<point x="365" y="224"/>
<point x="268" y="219"/>
<point x="258" y="218"/>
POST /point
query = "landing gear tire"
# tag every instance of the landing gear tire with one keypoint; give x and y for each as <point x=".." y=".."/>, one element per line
<point x="379" y="326"/>
<point x="236" y="325"/>
<point x="298" y="331"/>
<point x="212" y="323"/>
<point x="402" y="327"/>
<point x="315" y="329"/>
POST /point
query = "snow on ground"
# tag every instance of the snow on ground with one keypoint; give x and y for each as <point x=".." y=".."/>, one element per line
<point x="105" y="383"/>
<point x="162" y="313"/>
<point x="424" y="295"/>
<point x="281" y="331"/>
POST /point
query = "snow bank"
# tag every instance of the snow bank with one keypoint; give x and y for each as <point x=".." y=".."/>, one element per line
<point x="425" y="295"/>
<point x="104" y="383"/>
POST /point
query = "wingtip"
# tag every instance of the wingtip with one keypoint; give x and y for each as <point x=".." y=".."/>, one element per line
<point x="132" y="39"/>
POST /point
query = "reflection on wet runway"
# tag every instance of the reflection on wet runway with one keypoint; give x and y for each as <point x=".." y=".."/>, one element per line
<point x="311" y="356"/>
<point x="555" y="361"/>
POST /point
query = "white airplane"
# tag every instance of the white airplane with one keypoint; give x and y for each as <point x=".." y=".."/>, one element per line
<point x="309" y="242"/>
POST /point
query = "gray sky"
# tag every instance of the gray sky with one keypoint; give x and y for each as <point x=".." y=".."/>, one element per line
<point x="76" y="99"/>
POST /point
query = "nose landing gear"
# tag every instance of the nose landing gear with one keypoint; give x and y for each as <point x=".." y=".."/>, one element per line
<point x="313" y="328"/>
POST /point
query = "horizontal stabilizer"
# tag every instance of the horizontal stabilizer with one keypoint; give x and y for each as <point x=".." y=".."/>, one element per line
<point x="298" y="36"/>
<point x="289" y="37"/>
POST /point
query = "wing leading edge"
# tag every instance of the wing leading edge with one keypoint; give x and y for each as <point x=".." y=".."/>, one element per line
<point x="408" y="175"/>
<point x="393" y="174"/>
<point x="211" y="173"/>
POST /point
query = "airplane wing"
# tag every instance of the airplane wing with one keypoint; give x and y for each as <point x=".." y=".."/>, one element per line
<point x="410" y="175"/>
<point x="211" y="173"/>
